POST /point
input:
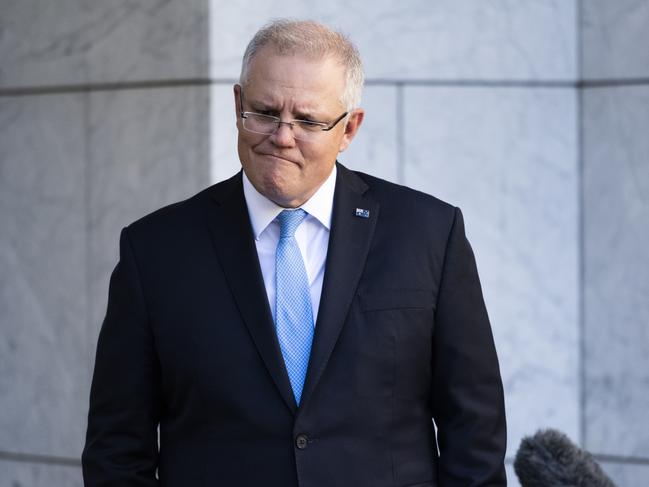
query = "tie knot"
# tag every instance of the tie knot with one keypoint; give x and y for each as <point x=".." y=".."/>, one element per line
<point x="289" y="220"/>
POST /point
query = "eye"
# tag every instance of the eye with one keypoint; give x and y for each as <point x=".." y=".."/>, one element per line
<point x="272" y="112"/>
<point x="310" y="125"/>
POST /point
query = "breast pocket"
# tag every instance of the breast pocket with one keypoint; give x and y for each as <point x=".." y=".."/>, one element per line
<point x="394" y="330"/>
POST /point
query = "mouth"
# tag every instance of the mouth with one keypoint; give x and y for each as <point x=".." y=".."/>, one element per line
<point x="278" y="157"/>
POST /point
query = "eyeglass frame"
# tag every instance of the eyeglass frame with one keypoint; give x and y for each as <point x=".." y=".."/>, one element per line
<point x="324" y="127"/>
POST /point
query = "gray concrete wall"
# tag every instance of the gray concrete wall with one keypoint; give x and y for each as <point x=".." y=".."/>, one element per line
<point x="109" y="111"/>
<point x="615" y="260"/>
<point x="101" y="121"/>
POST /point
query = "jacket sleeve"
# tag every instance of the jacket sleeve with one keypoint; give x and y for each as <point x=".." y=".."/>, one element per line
<point x="125" y="402"/>
<point x="468" y="403"/>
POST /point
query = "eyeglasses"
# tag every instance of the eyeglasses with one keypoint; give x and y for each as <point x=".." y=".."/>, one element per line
<point x="263" y="124"/>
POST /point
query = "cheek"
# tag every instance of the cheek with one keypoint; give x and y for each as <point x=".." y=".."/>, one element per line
<point x="327" y="155"/>
<point x="243" y="144"/>
<point x="247" y="151"/>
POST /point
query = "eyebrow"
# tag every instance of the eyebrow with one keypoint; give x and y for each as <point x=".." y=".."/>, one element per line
<point x="260" y="105"/>
<point x="306" y="116"/>
<point x="301" y="114"/>
<point x="270" y="107"/>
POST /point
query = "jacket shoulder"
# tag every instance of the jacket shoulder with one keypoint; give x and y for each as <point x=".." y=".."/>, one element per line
<point x="396" y="198"/>
<point x="182" y="215"/>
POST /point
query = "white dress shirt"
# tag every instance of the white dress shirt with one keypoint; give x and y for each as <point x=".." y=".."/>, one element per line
<point x="312" y="236"/>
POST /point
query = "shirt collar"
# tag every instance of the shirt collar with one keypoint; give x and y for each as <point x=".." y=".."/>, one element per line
<point x="263" y="211"/>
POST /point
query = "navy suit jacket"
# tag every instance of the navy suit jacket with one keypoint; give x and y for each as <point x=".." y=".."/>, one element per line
<point x="402" y="337"/>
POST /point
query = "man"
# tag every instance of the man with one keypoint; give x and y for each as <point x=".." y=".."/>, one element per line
<point x="299" y="324"/>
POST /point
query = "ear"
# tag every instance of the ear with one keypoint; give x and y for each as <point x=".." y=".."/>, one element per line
<point x="237" y="100"/>
<point x="351" y="127"/>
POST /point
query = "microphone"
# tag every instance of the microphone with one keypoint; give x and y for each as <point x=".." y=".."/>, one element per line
<point x="550" y="459"/>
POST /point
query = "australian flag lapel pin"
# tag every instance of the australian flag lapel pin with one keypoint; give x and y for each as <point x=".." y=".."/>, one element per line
<point x="362" y="213"/>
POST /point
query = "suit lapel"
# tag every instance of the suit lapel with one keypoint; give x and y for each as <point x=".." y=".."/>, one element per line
<point x="234" y="243"/>
<point x="349" y="245"/>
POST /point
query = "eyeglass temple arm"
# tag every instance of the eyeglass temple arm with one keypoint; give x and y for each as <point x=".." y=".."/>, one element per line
<point x="335" y="122"/>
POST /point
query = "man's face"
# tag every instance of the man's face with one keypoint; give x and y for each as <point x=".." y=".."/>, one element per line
<point x="285" y="170"/>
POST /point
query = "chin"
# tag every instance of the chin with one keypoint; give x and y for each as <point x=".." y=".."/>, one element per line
<point x="283" y="198"/>
<point x="284" y="195"/>
<point x="275" y="189"/>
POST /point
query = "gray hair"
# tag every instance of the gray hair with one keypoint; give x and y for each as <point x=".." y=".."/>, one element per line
<point x="316" y="41"/>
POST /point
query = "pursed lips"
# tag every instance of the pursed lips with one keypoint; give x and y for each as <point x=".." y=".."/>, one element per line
<point x="275" y="156"/>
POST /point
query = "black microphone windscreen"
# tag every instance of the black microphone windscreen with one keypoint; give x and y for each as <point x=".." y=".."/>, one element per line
<point x="550" y="459"/>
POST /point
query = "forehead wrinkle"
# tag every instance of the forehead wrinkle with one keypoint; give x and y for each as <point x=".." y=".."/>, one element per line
<point x="301" y="108"/>
<point x="307" y="93"/>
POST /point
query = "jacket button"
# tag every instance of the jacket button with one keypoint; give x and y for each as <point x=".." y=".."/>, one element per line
<point x="301" y="441"/>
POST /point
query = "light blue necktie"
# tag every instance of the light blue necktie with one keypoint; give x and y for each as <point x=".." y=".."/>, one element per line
<point x="293" y="314"/>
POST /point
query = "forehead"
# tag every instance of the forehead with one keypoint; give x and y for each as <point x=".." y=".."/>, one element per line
<point x="279" y="77"/>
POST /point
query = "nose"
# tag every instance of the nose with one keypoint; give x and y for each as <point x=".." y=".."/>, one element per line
<point x="283" y="136"/>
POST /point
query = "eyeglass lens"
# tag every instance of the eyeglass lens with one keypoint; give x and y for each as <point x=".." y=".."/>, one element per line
<point x="266" y="125"/>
